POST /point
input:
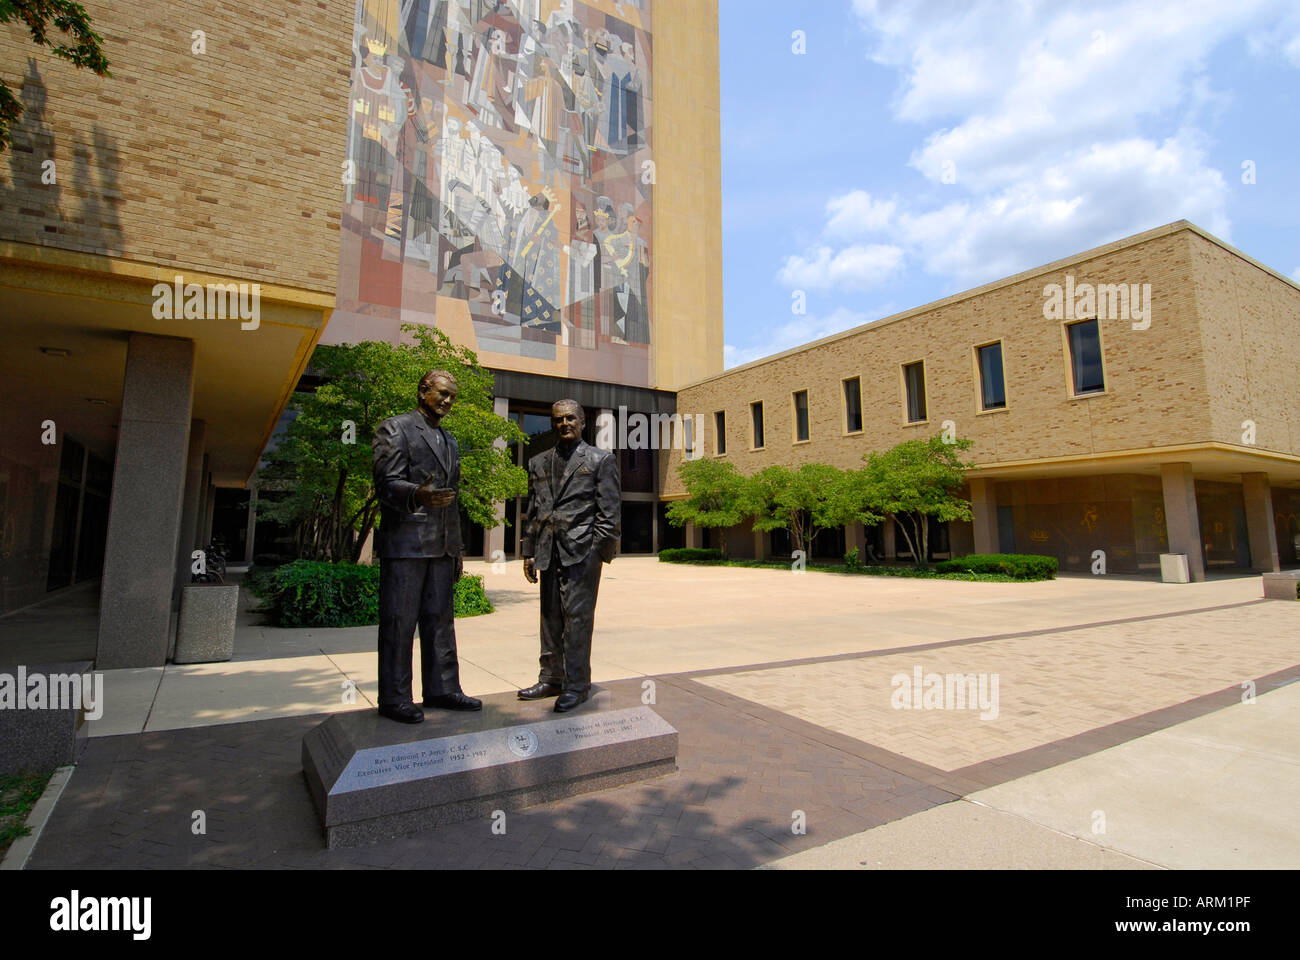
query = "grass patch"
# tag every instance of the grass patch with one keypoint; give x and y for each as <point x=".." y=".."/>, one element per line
<point x="18" y="794"/>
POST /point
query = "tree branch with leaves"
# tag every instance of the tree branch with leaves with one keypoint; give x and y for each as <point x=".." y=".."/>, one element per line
<point x="82" y="48"/>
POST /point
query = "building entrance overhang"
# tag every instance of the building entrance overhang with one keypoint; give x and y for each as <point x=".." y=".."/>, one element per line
<point x="1209" y="461"/>
<point x="68" y="317"/>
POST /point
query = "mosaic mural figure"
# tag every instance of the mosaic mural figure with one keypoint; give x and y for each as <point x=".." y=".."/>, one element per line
<point x="500" y="149"/>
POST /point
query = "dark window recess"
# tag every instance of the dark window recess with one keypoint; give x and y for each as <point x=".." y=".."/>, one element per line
<point x="1085" y="357"/>
<point x="637" y="527"/>
<point x="914" y="378"/>
<point x="993" y="387"/>
<point x="757" y="411"/>
<point x="801" y="415"/>
<point x="720" y="426"/>
<point x="853" y="405"/>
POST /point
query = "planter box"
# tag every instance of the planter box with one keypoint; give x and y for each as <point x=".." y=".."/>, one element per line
<point x="1173" y="568"/>
<point x="205" y="632"/>
<point x="1281" y="586"/>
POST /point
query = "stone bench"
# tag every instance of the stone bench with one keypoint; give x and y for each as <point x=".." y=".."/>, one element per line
<point x="1281" y="586"/>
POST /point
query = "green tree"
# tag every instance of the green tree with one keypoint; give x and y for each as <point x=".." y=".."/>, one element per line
<point x="914" y="481"/>
<point x="716" y="492"/>
<point x="805" y="501"/>
<point x="322" y="463"/>
<point x="81" y="50"/>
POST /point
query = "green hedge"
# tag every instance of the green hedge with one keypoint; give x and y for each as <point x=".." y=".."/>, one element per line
<point x="1022" y="566"/>
<point x="691" y="555"/>
<point x="471" y="599"/>
<point x="307" y="593"/>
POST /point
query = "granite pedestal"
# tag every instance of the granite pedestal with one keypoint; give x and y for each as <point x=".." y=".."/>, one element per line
<point x="374" y="779"/>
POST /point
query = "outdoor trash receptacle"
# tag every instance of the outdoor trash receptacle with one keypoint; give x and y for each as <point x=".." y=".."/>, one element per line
<point x="1281" y="586"/>
<point x="205" y="632"/>
<point x="1173" y="568"/>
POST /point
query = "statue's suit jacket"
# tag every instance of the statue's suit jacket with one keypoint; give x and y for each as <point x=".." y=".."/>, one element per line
<point x="404" y="457"/>
<point x="581" y="514"/>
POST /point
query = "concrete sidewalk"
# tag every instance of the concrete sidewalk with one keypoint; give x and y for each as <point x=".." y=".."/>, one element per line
<point x="1216" y="793"/>
<point x="1116" y="698"/>
<point x="653" y="619"/>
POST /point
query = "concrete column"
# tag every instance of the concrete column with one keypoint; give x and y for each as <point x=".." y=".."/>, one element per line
<point x="187" y="541"/>
<point x="1259" y="521"/>
<point x="760" y="545"/>
<point x="1182" y="519"/>
<point x="985" y="511"/>
<point x="888" y="532"/>
<point x="694" y="537"/>
<point x="251" y="533"/>
<point x="144" y="518"/>
<point x="209" y="505"/>
<point x="494" y="543"/>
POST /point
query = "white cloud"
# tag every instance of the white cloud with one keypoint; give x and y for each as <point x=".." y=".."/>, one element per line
<point x="1292" y="51"/>
<point x="858" y="267"/>
<point x="801" y="330"/>
<point x="1295" y="274"/>
<point x="856" y="213"/>
<point x="1067" y="124"/>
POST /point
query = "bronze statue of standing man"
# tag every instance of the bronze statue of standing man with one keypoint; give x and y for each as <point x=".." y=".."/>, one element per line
<point x="570" y="526"/>
<point x="417" y="479"/>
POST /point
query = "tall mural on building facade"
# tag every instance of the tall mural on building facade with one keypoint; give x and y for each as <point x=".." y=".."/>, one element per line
<point x="499" y="179"/>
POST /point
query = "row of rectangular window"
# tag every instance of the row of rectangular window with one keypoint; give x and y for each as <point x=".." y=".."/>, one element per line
<point x="1083" y="342"/>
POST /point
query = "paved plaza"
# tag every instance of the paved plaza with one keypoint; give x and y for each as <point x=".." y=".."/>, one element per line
<point x="1121" y="734"/>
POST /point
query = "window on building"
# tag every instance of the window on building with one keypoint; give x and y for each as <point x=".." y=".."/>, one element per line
<point x="801" y="416"/>
<point x="853" y="405"/>
<point x="688" y="438"/>
<point x="1085" y="357"/>
<point x="756" y="409"/>
<point x="993" y="385"/>
<point x="720" y="425"/>
<point x="914" y="382"/>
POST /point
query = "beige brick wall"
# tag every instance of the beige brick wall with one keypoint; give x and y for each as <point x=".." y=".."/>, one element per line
<point x="687" y="271"/>
<point x="1250" y="321"/>
<point x="1156" y="394"/>
<point x="227" y="162"/>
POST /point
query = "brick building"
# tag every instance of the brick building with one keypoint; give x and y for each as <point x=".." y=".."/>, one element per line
<point x="539" y="178"/>
<point x="1157" y="417"/>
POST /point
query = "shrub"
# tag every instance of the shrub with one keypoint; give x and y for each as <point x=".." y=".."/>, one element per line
<point x="259" y="580"/>
<point x="308" y="593"/>
<point x="1022" y="566"/>
<point x="471" y="599"/>
<point x="851" y="559"/>
<point x="691" y="555"/>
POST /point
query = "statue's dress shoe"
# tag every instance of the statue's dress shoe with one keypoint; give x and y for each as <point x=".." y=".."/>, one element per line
<point x="454" y="701"/>
<point x="541" y="691"/>
<point x="403" y="713"/>
<point x="568" y="701"/>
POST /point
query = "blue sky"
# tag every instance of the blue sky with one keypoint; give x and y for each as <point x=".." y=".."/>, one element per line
<point x="919" y="149"/>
